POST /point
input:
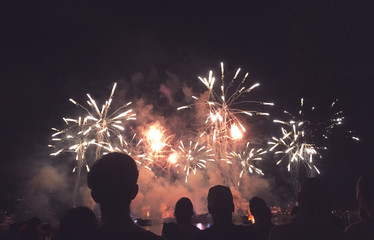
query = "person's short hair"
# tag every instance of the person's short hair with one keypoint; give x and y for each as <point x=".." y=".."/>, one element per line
<point x="113" y="176"/>
<point x="365" y="185"/>
<point x="183" y="210"/>
<point x="257" y="206"/>
<point x="76" y="222"/>
<point x="220" y="199"/>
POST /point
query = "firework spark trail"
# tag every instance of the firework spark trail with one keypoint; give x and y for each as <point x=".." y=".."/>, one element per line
<point x="74" y="140"/>
<point x="299" y="138"/>
<point x="293" y="144"/>
<point x="157" y="145"/>
<point x="98" y="127"/>
<point x="190" y="157"/>
<point x="136" y="149"/>
<point x="244" y="160"/>
<point x="100" y="124"/>
<point x="222" y="123"/>
<point x="297" y="142"/>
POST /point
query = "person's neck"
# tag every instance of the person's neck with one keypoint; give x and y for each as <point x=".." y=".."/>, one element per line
<point x="222" y="221"/>
<point x="116" y="218"/>
<point x="261" y="221"/>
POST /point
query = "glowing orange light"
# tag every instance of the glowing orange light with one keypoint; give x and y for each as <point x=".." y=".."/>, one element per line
<point x="154" y="136"/>
<point x="250" y="217"/>
<point x="172" y="158"/>
<point x="235" y="132"/>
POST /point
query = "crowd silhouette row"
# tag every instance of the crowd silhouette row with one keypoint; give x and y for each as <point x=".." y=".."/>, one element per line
<point x="113" y="184"/>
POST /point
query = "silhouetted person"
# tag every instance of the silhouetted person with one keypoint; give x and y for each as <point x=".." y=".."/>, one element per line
<point x="76" y="222"/>
<point x="183" y="229"/>
<point x="312" y="221"/>
<point x="364" y="229"/>
<point x="221" y="207"/>
<point x="262" y="214"/>
<point x="113" y="184"/>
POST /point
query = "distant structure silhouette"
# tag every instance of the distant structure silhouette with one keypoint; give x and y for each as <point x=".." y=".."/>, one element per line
<point x="364" y="229"/>
<point x="183" y="229"/>
<point x="312" y="221"/>
<point x="76" y="222"/>
<point x="221" y="207"/>
<point x="113" y="184"/>
<point x="262" y="214"/>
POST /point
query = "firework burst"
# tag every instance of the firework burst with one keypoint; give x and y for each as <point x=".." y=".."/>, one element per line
<point x="298" y="145"/>
<point x="157" y="145"/>
<point x="101" y="125"/>
<point x="245" y="160"/>
<point x="293" y="145"/>
<point x="191" y="156"/>
<point x="98" y="127"/>
<point x="222" y="123"/>
<point x="134" y="147"/>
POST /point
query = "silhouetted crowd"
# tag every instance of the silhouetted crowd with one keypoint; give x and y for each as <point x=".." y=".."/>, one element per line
<point x="113" y="184"/>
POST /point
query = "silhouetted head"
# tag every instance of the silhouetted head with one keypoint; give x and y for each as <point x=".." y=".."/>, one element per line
<point x="220" y="203"/>
<point x="365" y="193"/>
<point x="183" y="210"/>
<point x="257" y="206"/>
<point x="313" y="197"/>
<point x="113" y="180"/>
<point x="259" y="210"/>
<point x="77" y="222"/>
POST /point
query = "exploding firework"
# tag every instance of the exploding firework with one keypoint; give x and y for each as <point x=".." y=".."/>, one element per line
<point x="298" y="145"/>
<point x="98" y="127"/>
<point x="190" y="157"/>
<point x="102" y="126"/>
<point x="221" y="123"/>
<point x="135" y="148"/>
<point x="157" y="145"/>
<point x="73" y="140"/>
<point x="293" y="145"/>
<point x="245" y="160"/>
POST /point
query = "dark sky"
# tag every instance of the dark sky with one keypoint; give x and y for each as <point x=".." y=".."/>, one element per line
<point x="54" y="50"/>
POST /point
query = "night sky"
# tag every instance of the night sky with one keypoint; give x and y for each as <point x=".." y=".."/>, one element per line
<point x="56" y="50"/>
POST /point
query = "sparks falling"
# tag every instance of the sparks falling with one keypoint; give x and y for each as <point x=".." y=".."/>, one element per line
<point x="245" y="160"/>
<point x="97" y="128"/>
<point x="222" y="124"/>
<point x="191" y="156"/>
<point x="297" y="144"/>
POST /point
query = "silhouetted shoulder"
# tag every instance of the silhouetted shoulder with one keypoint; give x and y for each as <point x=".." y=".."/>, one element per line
<point x="229" y="232"/>
<point x="104" y="235"/>
<point x="285" y="231"/>
<point x="303" y="228"/>
<point x="361" y="230"/>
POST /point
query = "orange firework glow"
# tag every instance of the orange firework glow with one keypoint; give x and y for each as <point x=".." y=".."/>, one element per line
<point x="236" y="133"/>
<point x="154" y="137"/>
<point x="173" y="158"/>
<point x="250" y="217"/>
